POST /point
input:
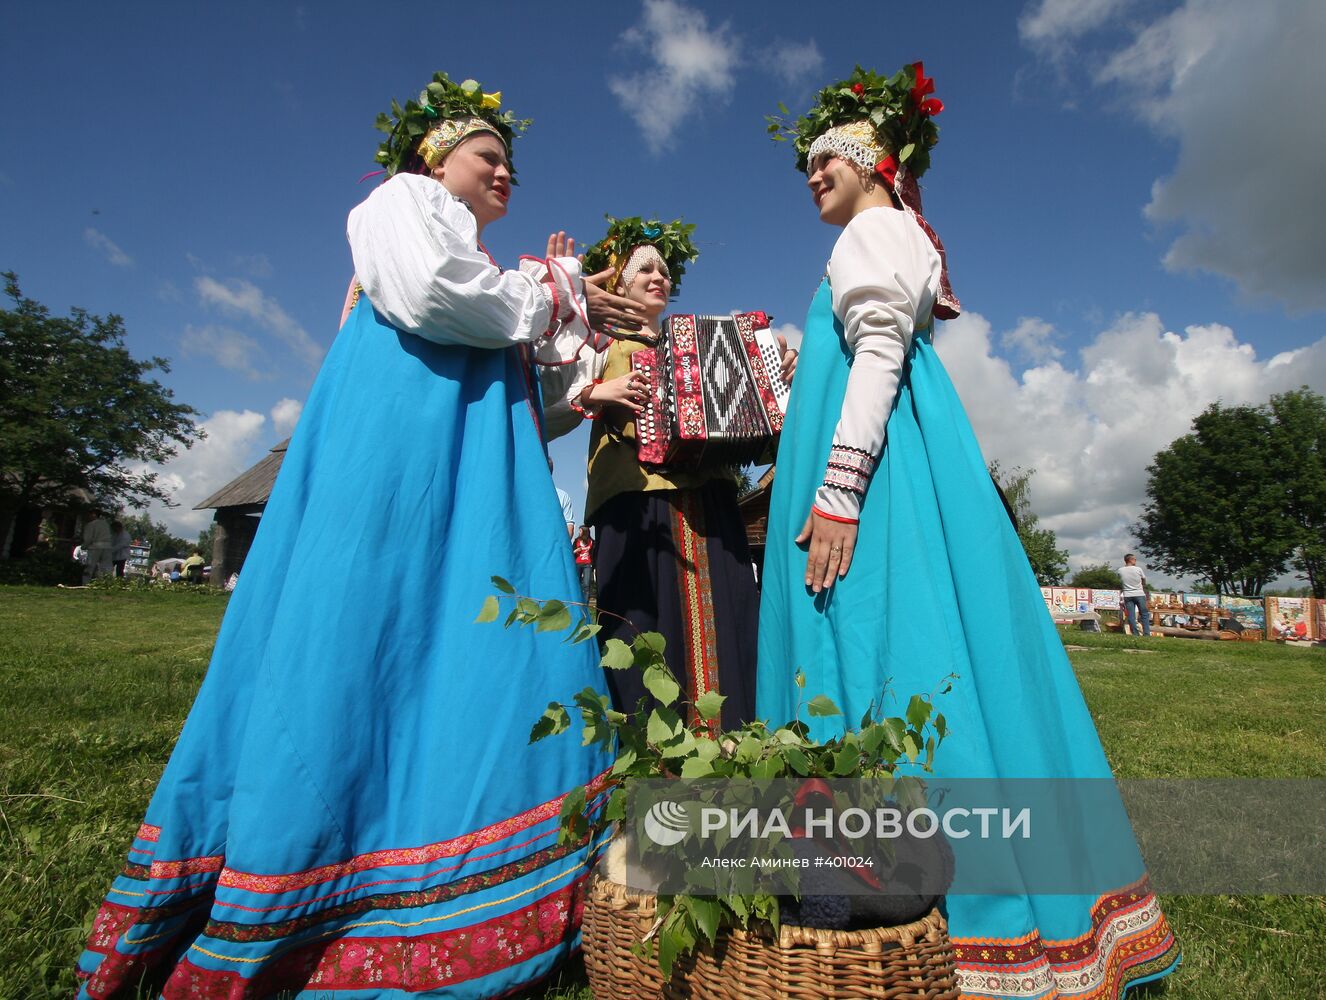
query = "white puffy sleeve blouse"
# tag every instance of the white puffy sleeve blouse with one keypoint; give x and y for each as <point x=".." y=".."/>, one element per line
<point x="884" y="276"/>
<point x="416" y="254"/>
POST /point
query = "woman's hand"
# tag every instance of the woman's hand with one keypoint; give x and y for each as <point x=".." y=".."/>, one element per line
<point x="626" y="391"/>
<point x="614" y="315"/>
<point x="830" y="553"/>
<point x="560" y="245"/>
<point x="788" y="365"/>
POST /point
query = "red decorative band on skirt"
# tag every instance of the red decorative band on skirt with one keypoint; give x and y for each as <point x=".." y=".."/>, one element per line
<point x="1129" y="939"/>
<point x="251" y="882"/>
<point x="410" y="963"/>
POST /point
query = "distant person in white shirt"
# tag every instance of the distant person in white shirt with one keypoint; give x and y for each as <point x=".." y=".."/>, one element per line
<point x="1134" y="594"/>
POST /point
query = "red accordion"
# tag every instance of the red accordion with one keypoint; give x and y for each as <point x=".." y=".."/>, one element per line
<point x="715" y="390"/>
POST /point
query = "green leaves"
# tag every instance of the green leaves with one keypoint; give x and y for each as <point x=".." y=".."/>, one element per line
<point x="822" y="706"/>
<point x="710" y="705"/>
<point x="1259" y="467"/>
<point x="918" y="711"/>
<point x="901" y="125"/>
<point x="662" y="725"/>
<point x="554" y="720"/>
<point x="661" y="684"/>
<point x="488" y="613"/>
<point x="671" y="239"/>
<point x="439" y="99"/>
<point x="617" y="655"/>
<point x="79" y="415"/>
<point x="585" y="630"/>
<point x="553" y="617"/>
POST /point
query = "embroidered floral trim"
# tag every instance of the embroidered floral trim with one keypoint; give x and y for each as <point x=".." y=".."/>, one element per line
<point x="405" y="962"/>
<point x="1129" y="940"/>
<point x="697" y="596"/>
<point x="187" y="867"/>
<point x="847" y="482"/>
<point x="852" y="458"/>
<point x="849" y="469"/>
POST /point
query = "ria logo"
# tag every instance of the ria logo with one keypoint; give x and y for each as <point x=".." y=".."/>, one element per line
<point x="666" y="823"/>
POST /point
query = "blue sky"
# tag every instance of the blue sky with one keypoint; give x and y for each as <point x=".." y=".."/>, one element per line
<point x="1130" y="193"/>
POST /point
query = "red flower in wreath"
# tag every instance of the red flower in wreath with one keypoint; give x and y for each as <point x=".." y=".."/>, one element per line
<point x="924" y="85"/>
<point x="858" y="89"/>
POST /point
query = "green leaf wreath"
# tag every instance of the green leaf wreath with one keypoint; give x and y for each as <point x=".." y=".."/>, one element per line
<point x="671" y="239"/>
<point x="899" y="108"/>
<point x="407" y="125"/>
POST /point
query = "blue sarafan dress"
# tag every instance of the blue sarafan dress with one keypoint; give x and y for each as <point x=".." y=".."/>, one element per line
<point x="938" y="585"/>
<point x="353" y="808"/>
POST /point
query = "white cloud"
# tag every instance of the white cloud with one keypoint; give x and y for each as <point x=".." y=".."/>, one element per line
<point x="1051" y="23"/>
<point x="285" y="414"/>
<point x="1090" y="431"/>
<point x="229" y="348"/>
<point x="193" y="475"/>
<point x="246" y="299"/>
<point x="791" y="331"/>
<point x="1237" y="86"/>
<point x="255" y="265"/>
<point x="100" y="241"/>
<point x="1033" y="339"/>
<point x="691" y="61"/>
<point x="794" y="62"/>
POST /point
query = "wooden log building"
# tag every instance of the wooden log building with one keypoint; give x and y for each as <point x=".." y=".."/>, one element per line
<point x="238" y="506"/>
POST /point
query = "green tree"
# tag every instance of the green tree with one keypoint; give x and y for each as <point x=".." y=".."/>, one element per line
<point x="1048" y="561"/>
<point x="745" y="484"/>
<point x="77" y="411"/>
<point x="164" y="545"/>
<point x="1217" y="503"/>
<point x="1098" y="577"/>
<point x="206" y="537"/>
<point x="1298" y="440"/>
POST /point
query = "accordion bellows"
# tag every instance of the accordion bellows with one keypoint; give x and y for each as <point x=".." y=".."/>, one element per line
<point x="715" y="392"/>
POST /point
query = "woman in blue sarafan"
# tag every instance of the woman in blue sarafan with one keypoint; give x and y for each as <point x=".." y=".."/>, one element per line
<point x="353" y="808"/>
<point x="891" y="563"/>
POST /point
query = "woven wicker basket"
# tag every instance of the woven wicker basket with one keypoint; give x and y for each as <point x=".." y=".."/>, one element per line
<point x="910" y="962"/>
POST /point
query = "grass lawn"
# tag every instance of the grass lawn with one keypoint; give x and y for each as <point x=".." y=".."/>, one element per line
<point x="96" y="686"/>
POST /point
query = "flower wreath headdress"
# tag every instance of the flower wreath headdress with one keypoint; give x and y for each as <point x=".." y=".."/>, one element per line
<point x="423" y="132"/>
<point x="885" y="127"/>
<point x="671" y="241"/>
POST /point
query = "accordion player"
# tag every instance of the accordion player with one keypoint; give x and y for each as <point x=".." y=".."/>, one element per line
<point x="715" y="392"/>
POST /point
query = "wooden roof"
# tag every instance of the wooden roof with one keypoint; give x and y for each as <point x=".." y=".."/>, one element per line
<point x="251" y="488"/>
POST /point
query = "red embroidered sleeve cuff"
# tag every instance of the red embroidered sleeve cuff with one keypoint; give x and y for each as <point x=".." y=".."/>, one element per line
<point x="588" y="412"/>
<point x="846" y="479"/>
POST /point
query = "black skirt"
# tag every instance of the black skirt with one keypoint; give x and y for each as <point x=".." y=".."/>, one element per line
<point x="676" y="562"/>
